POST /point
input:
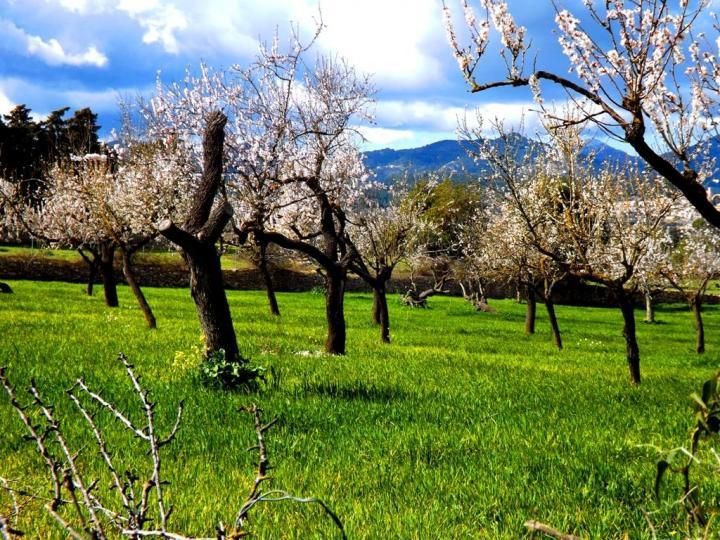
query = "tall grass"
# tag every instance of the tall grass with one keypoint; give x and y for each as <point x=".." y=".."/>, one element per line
<point x="462" y="427"/>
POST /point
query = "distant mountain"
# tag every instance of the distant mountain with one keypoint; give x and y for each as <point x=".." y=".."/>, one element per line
<point x="450" y="158"/>
<point x="444" y="157"/>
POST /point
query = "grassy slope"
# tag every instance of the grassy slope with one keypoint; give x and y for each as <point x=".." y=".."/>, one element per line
<point x="463" y="427"/>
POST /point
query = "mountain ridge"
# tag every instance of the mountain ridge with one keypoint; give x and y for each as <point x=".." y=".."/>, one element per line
<point x="450" y="157"/>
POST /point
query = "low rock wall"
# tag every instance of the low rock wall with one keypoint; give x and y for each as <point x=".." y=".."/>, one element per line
<point x="285" y="280"/>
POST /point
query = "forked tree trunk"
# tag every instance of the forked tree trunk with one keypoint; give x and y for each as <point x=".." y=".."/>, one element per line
<point x="202" y="230"/>
<point x="135" y="288"/>
<point x="208" y="291"/>
<point x="649" y="308"/>
<point x="696" y="307"/>
<point x="381" y="315"/>
<point x="552" y="317"/>
<point x="335" y="312"/>
<point x="107" y="272"/>
<point x="530" y="310"/>
<point x="629" y="333"/>
<point x="267" y="277"/>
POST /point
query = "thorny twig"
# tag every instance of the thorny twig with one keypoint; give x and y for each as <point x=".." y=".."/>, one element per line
<point x="256" y="495"/>
<point x="95" y="517"/>
<point x="536" y="526"/>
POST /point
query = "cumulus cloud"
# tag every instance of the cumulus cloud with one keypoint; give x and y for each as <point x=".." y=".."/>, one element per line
<point x="161" y="21"/>
<point x="44" y="99"/>
<point x="442" y="117"/>
<point x="399" y="42"/>
<point x="6" y="104"/>
<point x="51" y="51"/>
<point x="380" y="136"/>
<point x="395" y="41"/>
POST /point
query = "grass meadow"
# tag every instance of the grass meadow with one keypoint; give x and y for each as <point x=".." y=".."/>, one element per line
<point x="463" y="427"/>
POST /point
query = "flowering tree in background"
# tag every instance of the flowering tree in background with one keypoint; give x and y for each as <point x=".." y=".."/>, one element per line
<point x="692" y="259"/>
<point x="381" y="236"/>
<point x="69" y="218"/>
<point x="640" y="71"/>
<point x="292" y="165"/>
<point x="101" y="203"/>
<point x="596" y="226"/>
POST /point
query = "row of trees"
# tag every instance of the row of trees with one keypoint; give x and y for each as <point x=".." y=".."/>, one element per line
<point x="266" y="154"/>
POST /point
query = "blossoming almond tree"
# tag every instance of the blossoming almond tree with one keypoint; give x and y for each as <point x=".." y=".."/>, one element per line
<point x="381" y="235"/>
<point x="109" y="202"/>
<point x="640" y="70"/>
<point x="67" y="217"/>
<point x="292" y="163"/>
<point x="691" y="259"/>
<point x="596" y="226"/>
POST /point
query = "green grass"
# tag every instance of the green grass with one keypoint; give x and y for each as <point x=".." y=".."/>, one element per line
<point x="231" y="261"/>
<point x="463" y="427"/>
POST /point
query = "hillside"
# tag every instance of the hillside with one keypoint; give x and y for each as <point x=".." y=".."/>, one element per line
<point x="450" y="158"/>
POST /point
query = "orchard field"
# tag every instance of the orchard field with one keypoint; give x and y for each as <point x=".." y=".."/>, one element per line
<point x="463" y="427"/>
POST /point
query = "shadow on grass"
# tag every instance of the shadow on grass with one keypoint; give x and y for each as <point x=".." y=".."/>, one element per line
<point x="356" y="391"/>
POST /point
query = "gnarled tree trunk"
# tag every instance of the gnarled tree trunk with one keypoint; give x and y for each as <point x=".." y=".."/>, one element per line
<point x="381" y="315"/>
<point x="107" y="272"/>
<point x="207" y="289"/>
<point x="135" y="288"/>
<point x="267" y="278"/>
<point x="552" y="317"/>
<point x="631" y="345"/>
<point x="335" y="312"/>
<point x="202" y="230"/>
<point x="92" y="263"/>
<point x="695" y="303"/>
<point x="530" y="310"/>
<point x="376" y="307"/>
<point x="649" y="308"/>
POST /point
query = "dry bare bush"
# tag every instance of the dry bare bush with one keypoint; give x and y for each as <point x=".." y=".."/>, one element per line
<point x="86" y="508"/>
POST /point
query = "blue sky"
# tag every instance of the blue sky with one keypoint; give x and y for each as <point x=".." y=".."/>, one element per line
<point x="78" y="53"/>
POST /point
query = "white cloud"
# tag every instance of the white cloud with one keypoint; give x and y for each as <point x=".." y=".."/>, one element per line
<point x="44" y="99"/>
<point x="379" y="136"/>
<point x="77" y="6"/>
<point x="51" y="51"/>
<point x="400" y="42"/>
<point x="6" y="104"/>
<point x="392" y="40"/>
<point x="442" y="117"/>
<point x="160" y="21"/>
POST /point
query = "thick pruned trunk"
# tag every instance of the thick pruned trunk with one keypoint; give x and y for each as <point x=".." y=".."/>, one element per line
<point x="649" y="308"/>
<point x="135" y="288"/>
<point x="530" y="310"/>
<point x="696" y="308"/>
<point x="197" y="239"/>
<point x="267" y="278"/>
<point x="631" y="345"/>
<point x="208" y="291"/>
<point x="552" y="317"/>
<point x="107" y="272"/>
<point x="381" y="315"/>
<point x="335" y="312"/>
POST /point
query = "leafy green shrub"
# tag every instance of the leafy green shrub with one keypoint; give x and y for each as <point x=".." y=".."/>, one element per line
<point x="217" y="372"/>
<point x="682" y="461"/>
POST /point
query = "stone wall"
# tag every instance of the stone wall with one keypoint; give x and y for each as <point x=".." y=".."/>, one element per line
<point x="176" y="275"/>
